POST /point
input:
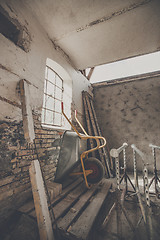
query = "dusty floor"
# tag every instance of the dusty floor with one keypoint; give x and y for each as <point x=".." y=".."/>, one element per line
<point x="109" y="232"/>
<point x="21" y="226"/>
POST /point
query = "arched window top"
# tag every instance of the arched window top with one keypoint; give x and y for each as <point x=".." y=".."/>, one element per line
<point x="57" y="88"/>
<point x="59" y="70"/>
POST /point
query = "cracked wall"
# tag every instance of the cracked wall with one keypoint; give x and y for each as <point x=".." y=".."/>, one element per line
<point x="16" y="64"/>
<point x="130" y="112"/>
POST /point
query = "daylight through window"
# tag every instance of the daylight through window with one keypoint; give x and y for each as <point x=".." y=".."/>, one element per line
<point x="53" y="96"/>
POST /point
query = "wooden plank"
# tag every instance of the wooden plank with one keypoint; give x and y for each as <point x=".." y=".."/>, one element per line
<point x="54" y="190"/>
<point x="67" y="190"/>
<point x="96" y="133"/>
<point x="83" y="225"/>
<point x="65" y="200"/>
<point x="107" y="156"/>
<point x="29" y="208"/>
<point x="102" y="152"/>
<point x="95" y="126"/>
<point x="69" y="181"/>
<point x="90" y="73"/>
<point x="98" y="128"/>
<point x="40" y="202"/>
<point x="63" y="206"/>
<point x="67" y="220"/>
<point x="28" y="124"/>
<point x="91" y="141"/>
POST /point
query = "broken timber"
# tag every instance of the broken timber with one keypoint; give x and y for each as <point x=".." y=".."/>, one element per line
<point x="28" y="124"/>
<point x="76" y="208"/>
<point x="40" y="202"/>
<point x="94" y="130"/>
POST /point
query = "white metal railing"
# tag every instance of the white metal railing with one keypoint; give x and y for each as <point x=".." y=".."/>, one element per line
<point x="115" y="154"/>
<point x="155" y="177"/>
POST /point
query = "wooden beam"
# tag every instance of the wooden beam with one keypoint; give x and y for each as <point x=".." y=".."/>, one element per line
<point x="94" y="129"/>
<point x="90" y="73"/>
<point x="106" y="154"/>
<point x="90" y="132"/>
<point x="40" y="202"/>
<point x="95" y="132"/>
<point x="28" y="125"/>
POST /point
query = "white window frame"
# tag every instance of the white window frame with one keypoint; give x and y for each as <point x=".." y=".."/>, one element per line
<point x="64" y="89"/>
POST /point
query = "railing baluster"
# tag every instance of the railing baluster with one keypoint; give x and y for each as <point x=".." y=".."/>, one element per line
<point x="147" y="215"/>
<point x="115" y="154"/>
<point x="155" y="177"/>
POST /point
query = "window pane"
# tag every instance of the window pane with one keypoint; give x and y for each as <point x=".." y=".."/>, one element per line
<point x="46" y="72"/>
<point x="43" y="115"/>
<point x="50" y="89"/>
<point x="44" y="100"/>
<point x="58" y="93"/>
<point x="58" y="81"/>
<point x="57" y="106"/>
<point x="45" y="86"/>
<point x="57" y="120"/>
<point x="53" y="95"/>
<point x="50" y="103"/>
<point x="49" y="117"/>
<point x="51" y="75"/>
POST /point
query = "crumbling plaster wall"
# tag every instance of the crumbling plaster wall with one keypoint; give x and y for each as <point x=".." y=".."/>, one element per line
<point x="16" y="64"/>
<point x="130" y="112"/>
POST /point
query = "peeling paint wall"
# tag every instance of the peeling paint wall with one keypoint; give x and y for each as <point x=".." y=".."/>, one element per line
<point x="17" y="64"/>
<point x="130" y="112"/>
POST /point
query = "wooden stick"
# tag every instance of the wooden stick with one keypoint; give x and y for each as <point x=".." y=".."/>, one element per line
<point x="96" y="132"/>
<point x="106" y="154"/>
<point x="88" y="124"/>
<point x="90" y="73"/>
<point x="40" y="202"/>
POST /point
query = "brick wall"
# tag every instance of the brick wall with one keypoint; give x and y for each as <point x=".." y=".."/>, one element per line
<point x="15" y="158"/>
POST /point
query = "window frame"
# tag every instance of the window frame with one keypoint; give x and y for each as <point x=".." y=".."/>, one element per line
<point x="54" y="97"/>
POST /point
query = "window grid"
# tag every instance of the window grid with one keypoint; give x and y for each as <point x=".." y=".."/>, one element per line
<point x="54" y="97"/>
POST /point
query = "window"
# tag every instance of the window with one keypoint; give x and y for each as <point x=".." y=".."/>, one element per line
<point x="53" y="96"/>
<point x="57" y="88"/>
<point x="147" y="63"/>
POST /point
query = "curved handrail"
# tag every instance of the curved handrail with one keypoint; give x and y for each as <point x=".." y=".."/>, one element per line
<point x="115" y="152"/>
<point x="140" y="153"/>
<point x="154" y="146"/>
